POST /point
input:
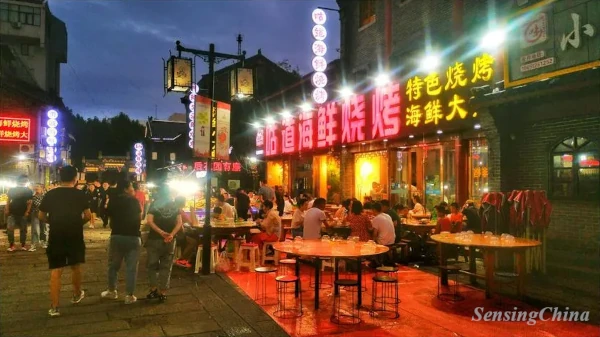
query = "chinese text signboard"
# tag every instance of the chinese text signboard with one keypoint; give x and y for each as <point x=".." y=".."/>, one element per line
<point x="15" y="129"/>
<point x="426" y="102"/>
<point x="219" y="166"/>
<point x="554" y="38"/>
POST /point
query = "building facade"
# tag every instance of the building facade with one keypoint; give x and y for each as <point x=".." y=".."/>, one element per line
<point x="33" y="44"/>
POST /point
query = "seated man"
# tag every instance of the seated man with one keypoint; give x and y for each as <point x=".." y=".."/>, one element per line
<point x="270" y="226"/>
<point x="383" y="231"/>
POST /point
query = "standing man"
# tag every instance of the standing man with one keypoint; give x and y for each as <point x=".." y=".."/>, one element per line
<point x="104" y="203"/>
<point x="18" y="208"/>
<point x="242" y="204"/>
<point x="37" y="227"/>
<point x="266" y="192"/>
<point x="66" y="209"/>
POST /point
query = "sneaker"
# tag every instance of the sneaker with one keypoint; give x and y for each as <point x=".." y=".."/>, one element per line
<point x="162" y="297"/>
<point x="112" y="295"/>
<point x="24" y="248"/>
<point x="76" y="299"/>
<point x="152" y="294"/>
<point x="32" y="249"/>
<point x="53" y="312"/>
<point x="44" y="244"/>
<point x="11" y="248"/>
<point x="130" y="299"/>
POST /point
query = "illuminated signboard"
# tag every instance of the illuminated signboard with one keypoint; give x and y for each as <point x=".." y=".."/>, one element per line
<point x="219" y="166"/>
<point x="139" y="158"/>
<point x="15" y="129"/>
<point x="51" y="135"/>
<point x="192" y="107"/>
<point x="319" y="49"/>
<point x="427" y="102"/>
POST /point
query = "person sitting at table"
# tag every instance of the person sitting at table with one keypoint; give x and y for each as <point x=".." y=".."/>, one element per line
<point x="298" y="218"/>
<point x="383" y="226"/>
<point x="473" y="222"/>
<point x="456" y="218"/>
<point x="288" y="207"/>
<point x="443" y="222"/>
<point x="227" y="209"/>
<point x="359" y="223"/>
<point x="418" y="208"/>
<point x="342" y="212"/>
<point x="217" y="213"/>
<point x="270" y="225"/>
<point x="313" y="219"/>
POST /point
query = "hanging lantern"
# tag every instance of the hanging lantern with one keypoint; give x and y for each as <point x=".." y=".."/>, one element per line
<point x="241" y="83"/>
<point x="178" y="74"/>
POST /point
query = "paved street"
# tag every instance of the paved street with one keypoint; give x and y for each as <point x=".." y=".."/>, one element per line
<point x="197" y="305"/>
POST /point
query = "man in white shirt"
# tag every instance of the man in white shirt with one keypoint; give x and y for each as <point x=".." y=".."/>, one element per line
<point x="383" y="226"/>
<point x="314" y="218"/>
<point x="228" y="210"/>
<point x="298" y="218"/>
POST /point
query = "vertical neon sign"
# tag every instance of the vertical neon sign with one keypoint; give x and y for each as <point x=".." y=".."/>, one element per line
<point x="51" y="135"/>
<point x="319" y="49"/>
<point x="192" y="107"/>
<point x="139" y="159"/>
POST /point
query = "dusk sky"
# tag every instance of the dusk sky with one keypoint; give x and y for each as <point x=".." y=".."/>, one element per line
<point x="116" y="46"/>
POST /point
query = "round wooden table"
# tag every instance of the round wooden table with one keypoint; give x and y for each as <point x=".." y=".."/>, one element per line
<point x="331" y="249"/>
<point x="489" y="248"/>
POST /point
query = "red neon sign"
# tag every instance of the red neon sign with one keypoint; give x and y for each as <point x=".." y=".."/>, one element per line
<point x="219" y="166"/>
<point x="15" y="129"/>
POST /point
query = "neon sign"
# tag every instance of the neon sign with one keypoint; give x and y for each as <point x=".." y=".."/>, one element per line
<point x="51" y="135"/>
<point x="15" y="129"/>
<point x="218" y="166"/>
<point x="192" y="98"/>
<point x="319" y="49"/>
<point x="139" y="158"/>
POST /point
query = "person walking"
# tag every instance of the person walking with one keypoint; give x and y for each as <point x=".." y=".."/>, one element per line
<point x="103" y="203"/>
<point x="17" y="209"/>
<point x="93" y="196"/>
<point x="65" y="209"/>
<point x="125" y="216"/>
<point x="36" y="228"/>
<point x="165" y="221"/>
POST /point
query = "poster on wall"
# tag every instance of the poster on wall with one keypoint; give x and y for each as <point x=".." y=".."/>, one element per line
<point x="223" y="130"/>
<point x="201" y="127"/>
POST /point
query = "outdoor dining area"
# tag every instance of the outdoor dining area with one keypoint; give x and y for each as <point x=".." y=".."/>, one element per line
<point x="339" y="284"/>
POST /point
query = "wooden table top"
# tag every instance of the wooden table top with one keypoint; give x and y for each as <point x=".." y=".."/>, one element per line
<point x="329" y="249"/>
<point x="230" y="224"/>
<point x="417" y="224"/>
<point x="478" y="240"/>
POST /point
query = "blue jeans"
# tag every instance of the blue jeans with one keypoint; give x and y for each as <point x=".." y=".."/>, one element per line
<point x="121" y="248"/>
<point x="35" y="230"/>
<point x="20" y="222"/>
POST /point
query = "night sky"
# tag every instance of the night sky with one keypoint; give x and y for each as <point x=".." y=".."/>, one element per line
<point x="116" y="47"/>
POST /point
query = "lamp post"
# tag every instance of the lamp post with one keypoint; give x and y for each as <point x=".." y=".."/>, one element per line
<point x="211" y="57"/>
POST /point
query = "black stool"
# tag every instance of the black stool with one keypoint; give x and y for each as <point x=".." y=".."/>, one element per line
<point x="260" y="293"/>
<point x="454" y="295"/>
<point x="350" y="315"/>
<point x="388" y="297"/>
<point x="391" y="271"/>
<point x="282" y="310"/>
<point x="322" y="285"/>
<point x="285" y="266"/>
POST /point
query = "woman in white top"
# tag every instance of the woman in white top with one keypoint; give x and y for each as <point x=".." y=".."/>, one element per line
<point x="418" y="209"/>
<point x="289" y="207"/>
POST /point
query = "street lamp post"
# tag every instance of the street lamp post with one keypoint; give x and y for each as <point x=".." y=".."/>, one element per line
<point x="211" y="57"/>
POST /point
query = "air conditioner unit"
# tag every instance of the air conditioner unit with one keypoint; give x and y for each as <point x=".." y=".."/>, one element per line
<point x="16" y="25"/>
<point x="26" y="148"/>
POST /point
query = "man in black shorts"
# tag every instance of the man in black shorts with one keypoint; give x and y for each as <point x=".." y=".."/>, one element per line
<point x="65" y="209"/>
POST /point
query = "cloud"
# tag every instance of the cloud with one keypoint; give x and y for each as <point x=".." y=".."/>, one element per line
<point x="158" y="31"/>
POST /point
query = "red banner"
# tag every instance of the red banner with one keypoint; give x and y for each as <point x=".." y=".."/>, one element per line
<point x="15" y="129"/>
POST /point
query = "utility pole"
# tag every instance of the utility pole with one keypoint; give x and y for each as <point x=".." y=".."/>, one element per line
<point x="211" y="57"/>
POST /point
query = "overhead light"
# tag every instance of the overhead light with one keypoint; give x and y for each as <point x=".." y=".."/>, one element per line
<point x="430" y="62"/>
<point x="477" y="126"/>
<point x="345" y="92"/>
<point x="363" y="143"/>
<point x="382" y="79"/>
<point x="285" y="114"/>
<point x="385" y="140"/>
<point x="306" y="107"/>
<point x="493" y="39"/>
<point x="21" y="157"/>
<point x="343" y="145"/>
<point x="411" y="136"/>
<point x="439" y="132"/>
<point x="270" y="120"/>
<point x="240" y="95"/>
<point x="256" y="125"/>
<point x="253" y="160"/>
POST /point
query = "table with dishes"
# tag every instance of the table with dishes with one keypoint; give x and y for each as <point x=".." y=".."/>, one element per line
<point x="489" y="244"/>
<point x="330" y="248"/>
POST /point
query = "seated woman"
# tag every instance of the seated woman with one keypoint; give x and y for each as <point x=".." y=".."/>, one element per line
<point x="456" y="218"/>
<point x="343" y="211"/>
<point x="270" y="225"/>
<point x="359" y="223"/>
<point x="289" y="207"/>
<point x="418" y="208"/>
<point x="298" y="218"/>
<point x="443" y="222"/>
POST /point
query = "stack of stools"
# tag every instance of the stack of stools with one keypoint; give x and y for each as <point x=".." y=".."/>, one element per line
<point x="253" y="256"/>
<point x="284" y="310"/>
<point x="350" y="314"/>
<point x="385" y="293"/>
<point x="260" y="294"/>
<point x="453" y="295"/>
<point x="214" y="256"/>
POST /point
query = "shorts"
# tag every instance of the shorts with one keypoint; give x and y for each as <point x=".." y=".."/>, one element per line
<point x="65" y="257"/>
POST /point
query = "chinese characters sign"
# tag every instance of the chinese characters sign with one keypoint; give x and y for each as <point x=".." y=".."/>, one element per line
<point x="436" y="98"/>
<point x="219" y="166"/>
<point x="15" y="129"/>
<point x="555" y="39"/>
<point x="319" y="64"/>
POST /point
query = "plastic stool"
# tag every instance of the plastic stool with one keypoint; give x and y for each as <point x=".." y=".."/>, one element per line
<point x="453" y="295"/>
<point x="260" y="293"/>
<point x="214" y="256"/>
<point x="282" y="310"/>
<point x="350" y="315"/>
<point x="388" y="296"/>
<point x="274" y="258"/>
<point x="237" y="242"/>
<point x="253" y="256"/>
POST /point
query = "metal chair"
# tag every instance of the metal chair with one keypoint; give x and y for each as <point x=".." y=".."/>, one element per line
<point x="351" y="314"/>
<point x="260" y="293"/>
<point x="454" y="295"/>
<point x="282" y="310"/>
<point x="385" y="295"/>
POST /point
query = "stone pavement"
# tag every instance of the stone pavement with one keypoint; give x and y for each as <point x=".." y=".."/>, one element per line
<point x="207" y="306"/>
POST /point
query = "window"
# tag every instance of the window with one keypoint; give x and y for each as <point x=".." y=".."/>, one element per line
<point x="25" y="50"/>
<point x="25" y="15"/>
<point x="478" y="168"/>
<point x="366" y="12"/>
<point x="575" y="169"/>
